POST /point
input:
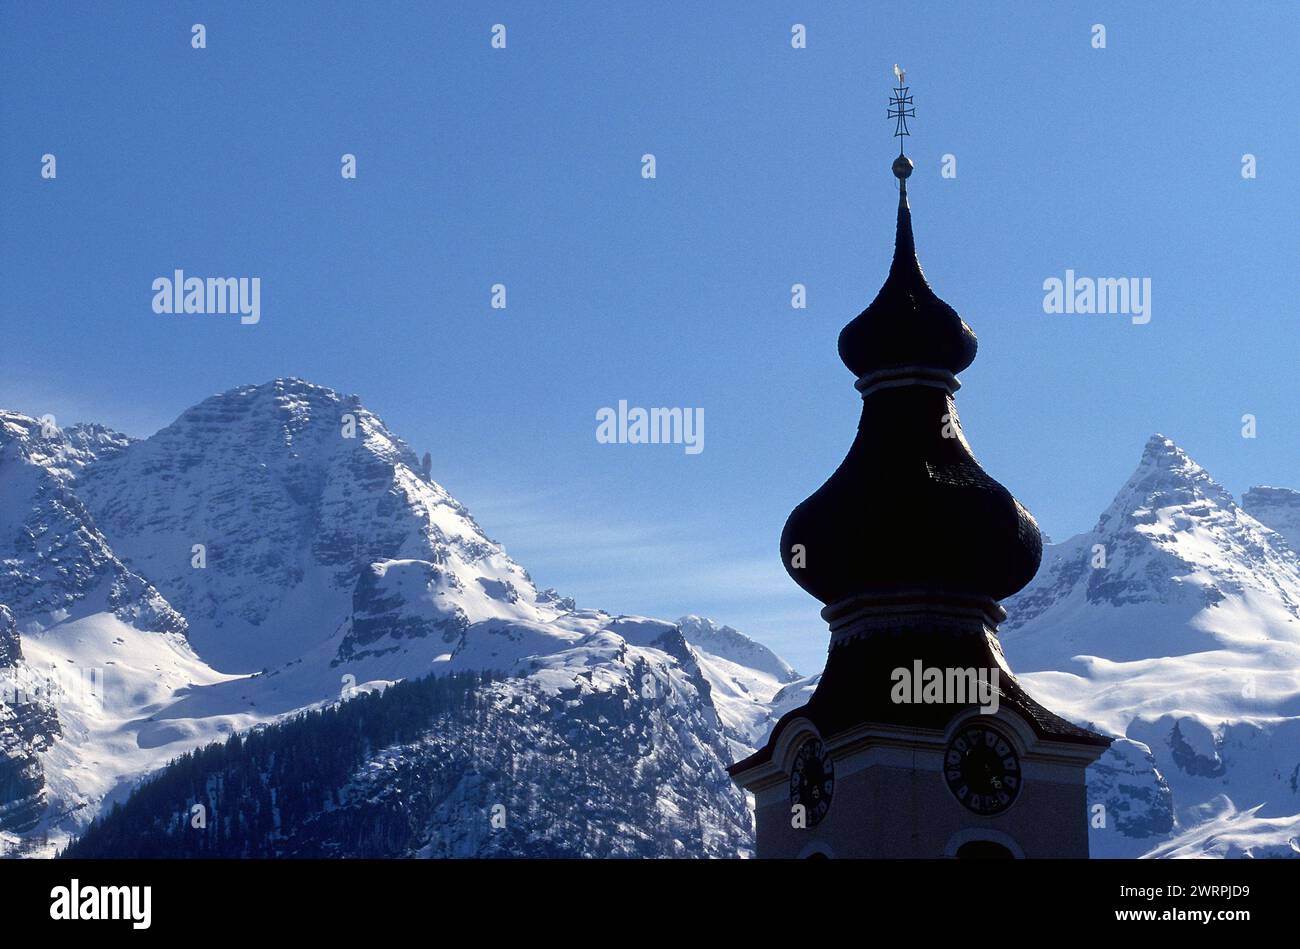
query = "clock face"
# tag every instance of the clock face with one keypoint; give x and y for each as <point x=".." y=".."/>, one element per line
<point x="812" y="780"/>
<point x="982" y="769"/>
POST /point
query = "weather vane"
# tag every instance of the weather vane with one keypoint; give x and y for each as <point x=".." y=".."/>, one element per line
<point x="901" y="106"/>
<point x="901" y="109"/>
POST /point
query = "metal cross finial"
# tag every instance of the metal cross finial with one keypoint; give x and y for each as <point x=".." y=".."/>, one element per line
<point x="901" y="107"/>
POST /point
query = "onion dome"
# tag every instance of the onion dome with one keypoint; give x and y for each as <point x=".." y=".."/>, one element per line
<point x="910" y="510"/>
<point x="906" y="325"/>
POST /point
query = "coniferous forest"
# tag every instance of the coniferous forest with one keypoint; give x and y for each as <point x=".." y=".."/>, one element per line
<point x="450" y="766"/>
<point x="272" y="777"/>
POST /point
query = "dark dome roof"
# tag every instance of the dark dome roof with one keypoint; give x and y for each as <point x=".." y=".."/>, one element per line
<point x="906" y="325"/>
<point x="910" y="509"/>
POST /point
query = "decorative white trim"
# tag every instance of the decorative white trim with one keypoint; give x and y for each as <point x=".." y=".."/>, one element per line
<point x="873" y="744"/>
<point x="907" y="376"/>
<point x="971" y="834"/>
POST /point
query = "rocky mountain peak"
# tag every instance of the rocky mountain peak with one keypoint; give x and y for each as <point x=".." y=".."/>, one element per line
<point x="1172" y="537"/>
<point x="259" y="510"/>
<point x="1165" y="477"/>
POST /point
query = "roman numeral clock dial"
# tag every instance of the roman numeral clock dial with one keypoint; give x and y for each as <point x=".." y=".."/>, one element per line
<point x="812" y="780"/>
<point x="982" y="769"/>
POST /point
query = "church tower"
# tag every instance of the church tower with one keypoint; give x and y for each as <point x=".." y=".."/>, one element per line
<point x="918" y="741"/>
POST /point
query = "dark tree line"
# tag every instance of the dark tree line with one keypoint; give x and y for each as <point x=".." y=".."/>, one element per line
<point x="275" y="776"/>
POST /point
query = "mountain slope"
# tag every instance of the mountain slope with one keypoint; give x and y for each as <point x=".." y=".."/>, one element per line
<point x="328" y="560"/>
<point x="1175" y="624"/>
<point x="88" y="647"/>
<point x="744" y="678"/>
<point x="622" y="762"/>
<point x="54" y="562"/>
<point x="332" y="563"/>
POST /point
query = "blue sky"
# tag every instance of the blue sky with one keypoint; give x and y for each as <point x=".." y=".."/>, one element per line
<point x="522" y="166"/>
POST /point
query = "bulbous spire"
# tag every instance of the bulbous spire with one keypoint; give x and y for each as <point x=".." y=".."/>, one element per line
<point x="910" y="510"/>
<point x="906" y="324"/>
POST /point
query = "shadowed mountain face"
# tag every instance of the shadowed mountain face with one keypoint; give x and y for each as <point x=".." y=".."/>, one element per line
<point x="56" y="563"/>
<point x="534" y="766"/>
<point x="26" y="729"/>
<point x="1175" y="623"/>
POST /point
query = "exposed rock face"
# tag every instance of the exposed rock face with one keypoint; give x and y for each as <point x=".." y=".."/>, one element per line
<point x="1276" y="508"/>
<point x="56" y="570"/>
<point x="11" y="647"/>
<point x="54" y="562"/>
<point x="402" y="599"/>
<point x="622" y="762"/>
<point x="1136" y="798"/>
<point x="27" y="727"/>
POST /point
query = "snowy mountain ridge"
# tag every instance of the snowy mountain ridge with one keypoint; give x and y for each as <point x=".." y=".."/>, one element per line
<point x="295" y="535"/>
<point x="1174" y="625"/>
<point x="277" y="549"/>
<point x="744" y="677"/>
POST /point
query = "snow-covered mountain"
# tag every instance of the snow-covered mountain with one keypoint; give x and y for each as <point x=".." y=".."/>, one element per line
<point x="296" y="555"/>
<point x="292" y="492"/>
<point x="277" y="549"/>
<point x="1174" y="624"/>
<point x="56" y="564"/>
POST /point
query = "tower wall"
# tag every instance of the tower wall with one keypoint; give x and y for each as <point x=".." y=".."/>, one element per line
<point x="892" y="802"/>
